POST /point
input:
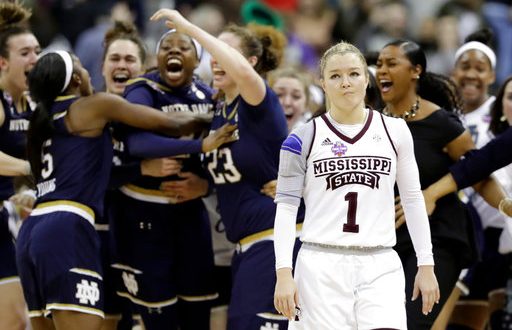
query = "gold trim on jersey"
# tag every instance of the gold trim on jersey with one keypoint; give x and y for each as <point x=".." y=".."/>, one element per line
<point x="272" y="316"/>
<point x="145" y="303"/>
<point x="87" y="272"/>
<point x="126" y="267"/>
<point x="79" y="209"/>
<point x="147" y="195"/>
<point x="199" y="298"/>
<point x="38" y="313"/>
<point x="150" y="82"/>
<point x="64" y="97"/>
<point x="266" y="235"/>
<point x="232" y="113"/>
<point x="10" y="279"/>
<point x="59" y="115"/>
<point x="76" y="308"/>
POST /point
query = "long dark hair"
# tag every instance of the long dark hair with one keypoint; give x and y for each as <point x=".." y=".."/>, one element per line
<point x="436" y="88"/>
<point x="45" y="82"/>
<point x="497" y="126"/>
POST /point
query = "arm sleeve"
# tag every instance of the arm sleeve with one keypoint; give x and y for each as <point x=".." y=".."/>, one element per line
<point x="284" y="234"/>
<point x="479" y="164"/>
<point x="122" y="174"/>
<point x="292" y="165"/>
<point x="408" y="180"/>
<point x="149" y="145"/>
<point x="290" y="183"/>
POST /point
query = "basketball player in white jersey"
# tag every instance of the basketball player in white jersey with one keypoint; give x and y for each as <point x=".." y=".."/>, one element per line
<point x="345" y="164"/>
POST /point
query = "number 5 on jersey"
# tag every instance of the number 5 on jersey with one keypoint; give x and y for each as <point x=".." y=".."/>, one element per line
<point x="46" y="160"/>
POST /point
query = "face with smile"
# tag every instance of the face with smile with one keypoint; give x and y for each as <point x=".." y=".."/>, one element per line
<point x="344" y="80"/>
<point x="122" y="62"/>
<point x="23" y="50"/>
<point x="222" y="80"/>
<point x="293" y="98"/>
<point x="395" y="74"/>
<point x="473" y="74"/>
<point x="177" y="59"/>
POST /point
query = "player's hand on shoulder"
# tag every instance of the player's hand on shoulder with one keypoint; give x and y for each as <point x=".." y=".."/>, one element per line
<point x="285" y="295"/>
<point x="426" y="284"/>
<point x="218" y="137"/>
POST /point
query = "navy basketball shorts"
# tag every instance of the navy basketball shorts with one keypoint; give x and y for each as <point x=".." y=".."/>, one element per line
<point x="112" y="304"/>
<point x="58" y="260"/>
<point x="164" y="252"/>
<point x="8" y="272"/>
<point x="252" y="296"/>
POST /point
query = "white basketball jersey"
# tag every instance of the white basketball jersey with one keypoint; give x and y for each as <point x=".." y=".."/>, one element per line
<point x="349" y="192"/>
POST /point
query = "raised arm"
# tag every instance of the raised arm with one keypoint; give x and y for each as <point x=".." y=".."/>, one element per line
<point x="250" y="85"/>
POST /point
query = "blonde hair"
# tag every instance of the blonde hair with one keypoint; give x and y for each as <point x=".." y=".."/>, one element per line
<point x="342" y="48"/>
<point x="295" y="73"/>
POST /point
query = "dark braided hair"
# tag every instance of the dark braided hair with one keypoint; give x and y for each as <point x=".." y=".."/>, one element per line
<point x="45" y="83"/>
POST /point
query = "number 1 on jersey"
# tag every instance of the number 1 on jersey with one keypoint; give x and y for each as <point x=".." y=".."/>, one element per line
<point x="350" y="226"/>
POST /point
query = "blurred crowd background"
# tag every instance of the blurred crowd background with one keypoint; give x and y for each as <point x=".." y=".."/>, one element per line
<point x="311" y="26"/>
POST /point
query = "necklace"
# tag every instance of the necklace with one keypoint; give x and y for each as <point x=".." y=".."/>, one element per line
<point x="406" y="115"/>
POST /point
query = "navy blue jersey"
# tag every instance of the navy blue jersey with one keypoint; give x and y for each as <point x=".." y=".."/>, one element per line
<point x="12" y="137"/>
<point x="240" y="169"/>
<point x="74" y="168"/>
<point x="151" y="91"/>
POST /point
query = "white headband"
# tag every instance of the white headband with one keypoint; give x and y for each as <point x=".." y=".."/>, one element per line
<point x="197" y="45"/>
<point x="476" y="45"/>
<point x="68" y="62"/>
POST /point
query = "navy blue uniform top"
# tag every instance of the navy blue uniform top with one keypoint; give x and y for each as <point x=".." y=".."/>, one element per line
<point x="240" y="169"/>
<point x="150" y="90"/>
<point x="74" y="168"/>
<point x="12" y="138"/>
<point x="479" y="164"/>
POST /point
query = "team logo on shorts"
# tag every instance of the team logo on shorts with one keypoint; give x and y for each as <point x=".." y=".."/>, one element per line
<point x="87" y="292"/>
<point x="130" y="283"/>
<point x="339" y="149"/>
